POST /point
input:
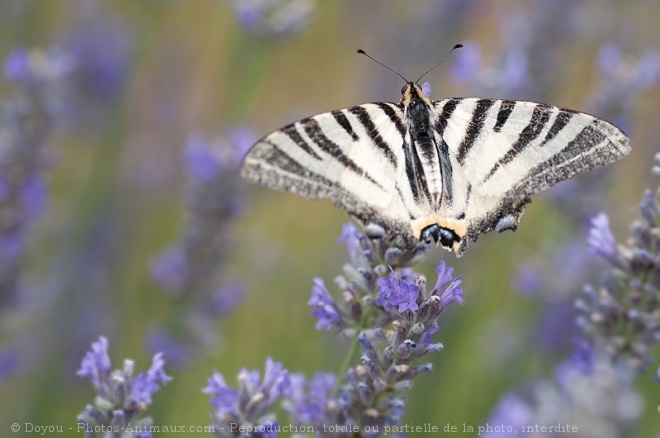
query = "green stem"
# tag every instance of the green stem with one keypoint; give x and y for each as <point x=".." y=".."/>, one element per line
<point x="348" y="359"/>
<point x="350" y="353"/>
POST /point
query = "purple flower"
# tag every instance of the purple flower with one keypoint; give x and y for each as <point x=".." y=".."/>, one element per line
<point x="101" y="50"/>
<point x="147" y="383"/>
<point x="274" y="18"/>
<point x="226" y="298"/>
<point x="515" y="71"/>
<point x="169" y="270"/>
<point x="17" y="66"/>
<point x="529" y="279"/>
<point x="511" y="411"/>
<point x="96" y="363"/>
<point x="466" y="65"/>
<point x="202" y="164"/>
<point x="453" y="291"/>
<point x="120" y="397"/>
<point x="33" y="197"/>
<point x="253" y="402"/>
<point x="241" y="140"/>
<point x="178" y="352"/>
<point x="426" y="89"/>
<point x="648" y="68"/>
<point x="351" y="237"/>
<point x="276" y="380"/>
<point x="12" y="247"/>
<point x="583" y="356"/>
<point x="600" y="238"/>
<point x="609" y="59"/>
<point x="324" y="308"/>
<point x="308" y="406"/>
<point x="394" y="291"/>
<point x="222" y="397"/>
<point x="8" y="363"/>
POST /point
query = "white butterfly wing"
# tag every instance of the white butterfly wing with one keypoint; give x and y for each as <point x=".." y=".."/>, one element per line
<point x="503" y="151"/>
<point x="354" y="156"/>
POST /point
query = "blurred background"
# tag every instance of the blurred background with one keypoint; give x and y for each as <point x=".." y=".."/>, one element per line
<point x="124" y="121"/>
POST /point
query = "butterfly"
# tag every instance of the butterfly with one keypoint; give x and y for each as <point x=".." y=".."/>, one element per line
<point x="443" y="171"/>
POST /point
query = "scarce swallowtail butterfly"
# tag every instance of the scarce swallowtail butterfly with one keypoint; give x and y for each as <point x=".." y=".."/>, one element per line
<point x="426" y="170"/>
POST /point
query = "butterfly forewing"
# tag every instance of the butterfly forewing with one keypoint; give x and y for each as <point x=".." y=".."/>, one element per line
<point x="354" y="156"/>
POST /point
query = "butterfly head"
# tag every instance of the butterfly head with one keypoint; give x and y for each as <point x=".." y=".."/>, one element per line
<point x="413" y="92"/>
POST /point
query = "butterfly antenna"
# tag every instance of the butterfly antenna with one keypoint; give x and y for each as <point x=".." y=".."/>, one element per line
<point x="456" y="46"/>
<point x="362" y="52"/>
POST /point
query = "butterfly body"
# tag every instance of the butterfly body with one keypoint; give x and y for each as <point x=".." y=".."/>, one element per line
<point x="446" y="171"/>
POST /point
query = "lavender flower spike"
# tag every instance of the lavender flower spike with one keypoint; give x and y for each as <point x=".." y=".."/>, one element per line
<point x="96" y="363"/>
<point x="324" y="308"/>
<point x="120" y="399"/>
<point x="146" y="384"/>
<point x="250" y="407"/>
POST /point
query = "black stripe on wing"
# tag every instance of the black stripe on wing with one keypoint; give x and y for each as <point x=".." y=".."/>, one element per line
<point x="538" y="120"/>
<point x="316" y="134"/>
<point x="560" y="122"/>
<point x="291" y="131"/>
<point x="343" y="121"/>
<point x="281" y="161"/>
<point x="563" y="164"/>
<point x="365" y="119"/>
<point x="506" y="108"/>
<point x="475" y="126"/>
<point x="441" y="122"/>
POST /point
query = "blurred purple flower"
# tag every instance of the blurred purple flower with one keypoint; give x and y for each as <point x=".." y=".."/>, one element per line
<point x="453" y="292"/>
<point x="33" y="197"/>
<point x="426" y="89"/>
<point x="609" y="58"/>
<point x="17" y="66"/>
<point x="325" y="310"/>
<point x="169" y="270"/>
<point x="648" y="68"/>
<point x="601" y="240"/>
<point x="276" y="380"/>
<point x="101" y="51"/>
<point x="202" y="164"/>
<point x="120" y="398"/>
<point x="12" y="248"/>
<point x="145" y="384"/>
<point x="193" y="268"/>
<point x="9" y="363"/>
<point x="96" y="363"/>
<point x="350" y="236"/>
<point x="583" y="356"/>
<point x="226" y="298"/>
<point x="178" y="352"/>
<point x="277" y="19"/>
<point x="512" y="412"/>
<point x="529" y="279"/>
<point x="253" y="402"/>
<point x="515" y="71"/>
<point x="222" y="397"/>
<point x="241" y="140"/>
<point x="466" y="64"/>
<point x="308" y="399"/>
